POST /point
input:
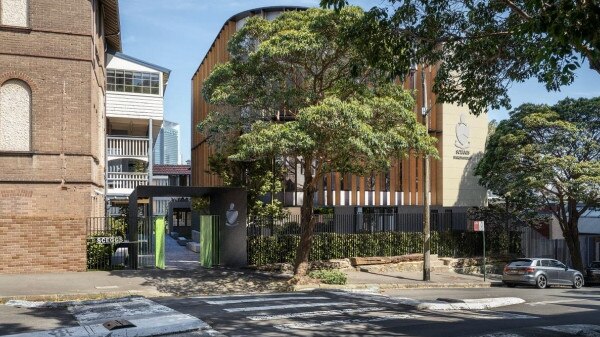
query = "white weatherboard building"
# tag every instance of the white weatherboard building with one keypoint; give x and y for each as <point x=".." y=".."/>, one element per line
<point x="134" y="116"/>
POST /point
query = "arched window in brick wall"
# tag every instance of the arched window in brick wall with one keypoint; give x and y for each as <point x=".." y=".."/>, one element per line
<point x="15" y="116"/>
<point x="14" y="13"/>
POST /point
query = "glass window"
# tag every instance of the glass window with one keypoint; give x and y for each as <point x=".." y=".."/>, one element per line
<point x="519" y="263"/>
<point x="14" y="13"/>
<point x="133" y="81"/>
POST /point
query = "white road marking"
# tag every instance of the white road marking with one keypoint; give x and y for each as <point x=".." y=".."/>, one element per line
<point x="533" y="304"/>
<point x="267" y="299"/>
<point x="487" y="314"/>
<point x="291" y="326"/>
<point x="287" y="306"/>
<point x="471" y="304"/>
<point x="314" y="313"/>
<point x="107" y="287"/>
<point x="244" y="295"/>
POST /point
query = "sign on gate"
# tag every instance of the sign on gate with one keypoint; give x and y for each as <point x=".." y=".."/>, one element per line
<point x="109" y="240"/>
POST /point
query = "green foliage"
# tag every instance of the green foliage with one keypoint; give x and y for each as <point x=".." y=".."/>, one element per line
<point x="260" y="178"/>
<point x="329" y="276"/>
<point x="482" y="46"/>
<point x="282" y="248"/>
<point x="99" y="255"/>
<point x="201" y="204"/>
<point x="548" y="157"/>
<point x="340" y="113"/>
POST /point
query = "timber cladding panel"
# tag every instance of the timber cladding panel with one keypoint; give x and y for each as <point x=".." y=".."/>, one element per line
<point x="201" y="150"/>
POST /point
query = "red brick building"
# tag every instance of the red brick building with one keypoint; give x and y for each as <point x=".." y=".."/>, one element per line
<point x="52" y="128"/>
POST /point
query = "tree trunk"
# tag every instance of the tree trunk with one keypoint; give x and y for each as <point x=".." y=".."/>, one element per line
<point x="307" y="223"/>
<point x="571" y="234"/>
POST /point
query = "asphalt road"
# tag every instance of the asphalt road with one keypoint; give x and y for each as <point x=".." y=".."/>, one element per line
<point x="548" y="312"/>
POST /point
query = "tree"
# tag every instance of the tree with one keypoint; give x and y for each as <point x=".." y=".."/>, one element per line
<point x="260" y="178"/>
<point x="484" y="46"/>
<point x="298" y="87"/>
<point x="548" y="157"/>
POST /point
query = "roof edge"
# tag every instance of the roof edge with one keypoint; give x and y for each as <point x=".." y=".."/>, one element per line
<point x="246" y="13"/>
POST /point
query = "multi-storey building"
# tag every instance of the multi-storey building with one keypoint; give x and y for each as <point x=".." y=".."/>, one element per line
<point x="461" y="141"/>
<point x="166" y="149"/>
<point x="134" y="116"/>
<point x="52" y="128"/>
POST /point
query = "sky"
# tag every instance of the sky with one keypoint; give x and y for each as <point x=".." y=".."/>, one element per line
<point x="176" y="34"/>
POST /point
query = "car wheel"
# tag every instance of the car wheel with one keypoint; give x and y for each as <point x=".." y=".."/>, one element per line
<point x="577" y="282"/>
<point x="541" y="282"/>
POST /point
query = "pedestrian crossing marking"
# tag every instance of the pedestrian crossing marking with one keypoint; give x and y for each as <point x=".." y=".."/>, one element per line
<point x="265" y="299"/>
<point x="292" y="326"/>
<point x="287" y="306"/>
<point x="488" y="314"/>
<point x="309" y="314"/>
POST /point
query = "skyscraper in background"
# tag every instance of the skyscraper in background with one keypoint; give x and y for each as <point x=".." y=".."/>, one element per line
<point x="166" y="148"/>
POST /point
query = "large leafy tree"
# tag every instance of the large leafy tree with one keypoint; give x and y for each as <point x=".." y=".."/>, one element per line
<point x="483" y="46"/>
<point x="548" y="157"/>
<point x="298" y="87"/>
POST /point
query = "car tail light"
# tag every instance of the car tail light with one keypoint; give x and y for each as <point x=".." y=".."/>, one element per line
<point x="505" y="268"/>
<point x="529" y="270"/>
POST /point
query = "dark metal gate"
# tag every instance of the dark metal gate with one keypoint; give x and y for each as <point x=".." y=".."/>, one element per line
<point x="109" y="246"/>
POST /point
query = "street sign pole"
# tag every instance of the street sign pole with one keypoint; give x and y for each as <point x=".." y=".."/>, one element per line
<point x="484" y="269"/>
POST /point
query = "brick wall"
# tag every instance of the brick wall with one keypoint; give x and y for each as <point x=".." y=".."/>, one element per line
<point x="46" y="195"/>
<point x="41" y="244"/>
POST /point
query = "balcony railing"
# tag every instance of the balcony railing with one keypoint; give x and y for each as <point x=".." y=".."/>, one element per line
<point x="127" y="147"/>
<point x="126" y="180"/>
<point x="160" y="181"/>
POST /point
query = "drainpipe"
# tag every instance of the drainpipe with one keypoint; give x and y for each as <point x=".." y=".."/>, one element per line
<point x="150" y="154"/>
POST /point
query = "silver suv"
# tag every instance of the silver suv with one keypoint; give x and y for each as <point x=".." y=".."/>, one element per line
<point x="541" y="273"/>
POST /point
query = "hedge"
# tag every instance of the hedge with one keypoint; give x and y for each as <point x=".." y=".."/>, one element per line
<point x="282" y="248"/>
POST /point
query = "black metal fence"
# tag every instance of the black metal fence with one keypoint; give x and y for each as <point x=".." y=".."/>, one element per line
<point x="273" y="240"/>
<point x="109" y="247"/>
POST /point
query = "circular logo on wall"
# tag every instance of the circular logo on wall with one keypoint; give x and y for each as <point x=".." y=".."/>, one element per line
<point x="231" y="216"/>
<point x="462" y="134"/>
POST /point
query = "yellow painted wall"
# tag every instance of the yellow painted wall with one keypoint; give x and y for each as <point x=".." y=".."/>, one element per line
<point x="461" y="187"/>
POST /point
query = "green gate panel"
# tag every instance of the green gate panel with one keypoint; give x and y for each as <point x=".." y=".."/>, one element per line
<point x="160" y="242"/>
<point x="207" y="241"/>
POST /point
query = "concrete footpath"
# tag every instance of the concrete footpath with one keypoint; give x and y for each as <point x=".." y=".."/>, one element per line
<point x="201" y="281"/>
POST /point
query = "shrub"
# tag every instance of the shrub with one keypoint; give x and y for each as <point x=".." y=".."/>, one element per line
<point x="329" y="276"/>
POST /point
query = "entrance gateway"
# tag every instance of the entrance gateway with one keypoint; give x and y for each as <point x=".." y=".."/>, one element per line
<point x="142" y="239"/>
<point x="222" y="232"/>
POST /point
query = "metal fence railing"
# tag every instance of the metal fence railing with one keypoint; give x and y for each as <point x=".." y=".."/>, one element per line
<point x="109" y="245"/>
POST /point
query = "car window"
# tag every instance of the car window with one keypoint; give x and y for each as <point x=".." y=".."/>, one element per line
<point x="538" y="263"/>
<point x="545" y="263"/>
<point x="556" y="264"/>
<point x="518" y="263"/>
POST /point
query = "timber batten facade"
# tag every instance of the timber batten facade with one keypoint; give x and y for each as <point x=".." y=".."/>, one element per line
<point x="452" y="180"/>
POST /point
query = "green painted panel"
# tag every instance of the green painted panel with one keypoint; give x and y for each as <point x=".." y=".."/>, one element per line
<point x="160" y="242"/>
<point x="206" y="241"/>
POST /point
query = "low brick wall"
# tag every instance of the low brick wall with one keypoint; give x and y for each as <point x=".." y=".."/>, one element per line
<point x="42" y="244"/>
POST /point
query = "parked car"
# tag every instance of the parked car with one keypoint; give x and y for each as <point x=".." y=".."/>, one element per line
<point x="540" y="273"/>
<point x="592" y="273"/>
